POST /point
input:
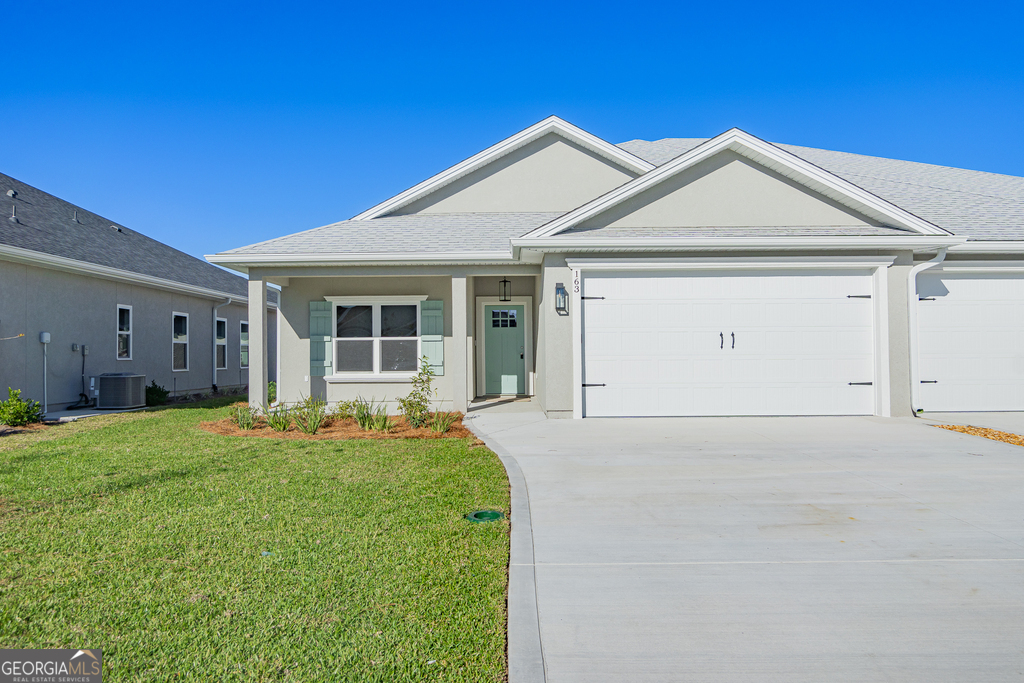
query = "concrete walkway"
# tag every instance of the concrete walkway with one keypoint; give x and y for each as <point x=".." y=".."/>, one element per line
<point x="764" y="549"/>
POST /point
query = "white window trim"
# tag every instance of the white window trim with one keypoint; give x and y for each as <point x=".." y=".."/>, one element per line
<point x="375" y="302"/>
<point x="188" y="334"/>
<point x="221" y="343"/>
<point x="130" y="332"/>
<point x="241" y="344"/>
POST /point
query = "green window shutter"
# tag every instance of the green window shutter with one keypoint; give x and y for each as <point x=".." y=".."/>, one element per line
<point x="320" y="338"/>
<point x="432" y="334"/>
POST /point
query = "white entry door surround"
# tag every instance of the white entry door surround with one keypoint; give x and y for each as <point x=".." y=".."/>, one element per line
<point x="690" y="337"/>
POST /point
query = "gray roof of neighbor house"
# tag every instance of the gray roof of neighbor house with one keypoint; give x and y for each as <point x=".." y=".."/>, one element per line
<point x="416" y="233"/>
<point x="973" y="204"/>
<point x="47" y="225"/>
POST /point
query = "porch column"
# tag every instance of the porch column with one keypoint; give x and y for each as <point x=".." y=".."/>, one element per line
<point x="460" y="336"/>
<point x="257" y="341"/>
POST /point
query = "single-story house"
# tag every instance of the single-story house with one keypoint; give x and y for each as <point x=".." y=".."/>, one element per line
<point x="722" y="276"/>
<point x="106" y="299"/>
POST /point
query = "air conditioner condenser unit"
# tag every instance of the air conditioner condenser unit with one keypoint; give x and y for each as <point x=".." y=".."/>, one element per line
<point x="118" y="390"/>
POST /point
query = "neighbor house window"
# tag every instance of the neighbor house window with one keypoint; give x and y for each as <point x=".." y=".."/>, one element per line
<point x="377" y="337"/>
<point x="222" y="343"/>
<point x="179" y="342"/>
<point x="124" y="332"/>
<point x="243" y="348"/>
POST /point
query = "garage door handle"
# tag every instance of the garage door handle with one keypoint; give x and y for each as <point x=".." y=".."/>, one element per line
<point x="722" y="335"/>
<point x="733" y="340"/>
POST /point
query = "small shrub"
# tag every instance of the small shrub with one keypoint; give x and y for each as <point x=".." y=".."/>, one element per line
<point x="17" y="412"/>
<point x="442" y="422"/>
<point x="244" y="416"/>
<point x="271" y="392"/>
<point x="416" y="406"/>
<point x="310" y="414"/>
<point x="344" y="410"/>
<point x="381" y="421"/>
<point x="156" y="395"/>
<point x="279" y="419"/>
<point x="363" y="411"/>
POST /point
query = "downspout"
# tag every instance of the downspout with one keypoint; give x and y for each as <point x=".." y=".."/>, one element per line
<point x="912" y="331"/>
<point x="213" y="336"/>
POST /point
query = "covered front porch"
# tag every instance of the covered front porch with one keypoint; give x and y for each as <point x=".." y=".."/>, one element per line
<point x="365" y="331"/>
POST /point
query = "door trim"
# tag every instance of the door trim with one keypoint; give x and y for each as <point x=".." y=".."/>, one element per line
<point x="527" y="303"/>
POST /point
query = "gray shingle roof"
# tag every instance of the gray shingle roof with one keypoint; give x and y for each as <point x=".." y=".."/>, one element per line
<point x="975" y="204"/>
<point x="417" y="233"/>
<point x="46" y="224"/>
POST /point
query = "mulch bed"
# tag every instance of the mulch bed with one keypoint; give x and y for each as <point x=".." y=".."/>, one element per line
<point x="6" y="430"/>
<point x="338" y="430"/>
<point x="994" y="434"/>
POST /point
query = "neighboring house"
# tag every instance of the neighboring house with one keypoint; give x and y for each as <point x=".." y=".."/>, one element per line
<point x="727" y="276"/>
<point x="113" y="298"/>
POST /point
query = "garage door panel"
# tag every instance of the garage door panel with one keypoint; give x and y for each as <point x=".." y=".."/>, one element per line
<point x="971" y="341"/>
<point x="799" y="342"/>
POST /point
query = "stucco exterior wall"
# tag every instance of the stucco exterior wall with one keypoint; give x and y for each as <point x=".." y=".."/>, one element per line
<point x="728" y="190"/>
<point x="899" y="336"/>
<point x="77" y="309"/>
<point x="554" y="341"/>
<point x="549" y="174"/>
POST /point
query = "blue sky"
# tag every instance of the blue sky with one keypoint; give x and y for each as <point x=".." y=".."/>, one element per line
<point x="213" y="125"/>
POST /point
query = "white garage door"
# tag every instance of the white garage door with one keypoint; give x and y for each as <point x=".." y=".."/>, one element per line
<point x="971" y="341"/>
<point x="727" y="343"/>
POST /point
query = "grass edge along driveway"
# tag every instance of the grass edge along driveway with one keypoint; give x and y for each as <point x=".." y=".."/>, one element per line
<point x="184" y="553"/>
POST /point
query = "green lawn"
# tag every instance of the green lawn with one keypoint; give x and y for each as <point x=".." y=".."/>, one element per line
<point x="185" y="554"/>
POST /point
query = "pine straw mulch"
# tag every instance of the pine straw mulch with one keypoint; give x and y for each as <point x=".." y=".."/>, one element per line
<point x="985" y="432"/>
<point x="6" y="430"/>
<point x="339" y="430"/>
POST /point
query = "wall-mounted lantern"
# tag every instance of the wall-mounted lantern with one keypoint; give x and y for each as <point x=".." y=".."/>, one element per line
<point x="505" y="290"/>
<point x="561" y="299"/>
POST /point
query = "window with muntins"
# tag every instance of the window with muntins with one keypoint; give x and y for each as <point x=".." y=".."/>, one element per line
<point x="179" y="342"/>
<point x="124" y="332"/>
<point x="376" y="338"/>
<point x="222" y="344"/>
<point x="503" y="318"/>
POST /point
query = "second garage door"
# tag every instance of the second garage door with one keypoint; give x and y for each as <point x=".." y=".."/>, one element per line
<point x="727" y="343"/>
<point x="971" y="341"/>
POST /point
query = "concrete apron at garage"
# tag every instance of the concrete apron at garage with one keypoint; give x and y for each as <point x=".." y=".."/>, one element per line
<point x="771" y="549"/>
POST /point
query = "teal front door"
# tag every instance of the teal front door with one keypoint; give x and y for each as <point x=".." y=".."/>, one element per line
<point x="504" y="350"/>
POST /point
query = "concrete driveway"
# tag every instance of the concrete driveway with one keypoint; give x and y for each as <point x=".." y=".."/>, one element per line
<point x="765" y="549"/>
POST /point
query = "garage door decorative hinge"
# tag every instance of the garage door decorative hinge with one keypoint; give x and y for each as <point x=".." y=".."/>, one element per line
<point x="858" y="296"/>
<point x="584" y="298"/>
<point x="860" y="384"/>
<point x="926" y="298"/>
<point x="594" y="385"/>
<point x="929" y="381"/>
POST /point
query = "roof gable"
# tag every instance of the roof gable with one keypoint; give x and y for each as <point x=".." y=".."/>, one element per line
<point x="836" y="199"/>
<point x="559" y="150"/>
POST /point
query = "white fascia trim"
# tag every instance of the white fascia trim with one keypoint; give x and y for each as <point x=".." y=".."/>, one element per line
<point x="981" y="266"/>
<point x="390" y="299"/>
<point x="37" y="258"/>
<point x="570" y="244"/>
<point x="766" y="263"/>
<point x="766" y="154"/>
<point x="259" y="260"/>
<point x="993" y="247"/>
<point x="552" y="124"/>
